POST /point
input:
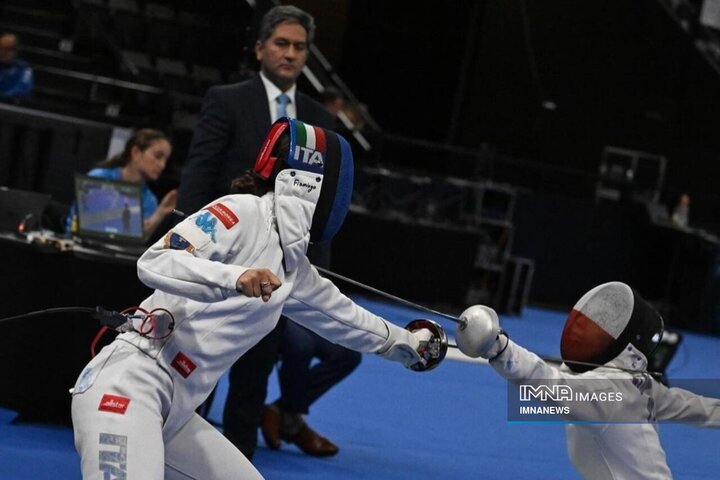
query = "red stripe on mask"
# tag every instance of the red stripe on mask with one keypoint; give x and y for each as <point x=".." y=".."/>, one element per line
<point x="320" y="141"/>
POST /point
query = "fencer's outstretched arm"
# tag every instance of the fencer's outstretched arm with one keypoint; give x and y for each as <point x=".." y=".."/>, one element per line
<point x="316" y="303"/>
<point x="479" y="335"/>
<point x="677" y="404"/>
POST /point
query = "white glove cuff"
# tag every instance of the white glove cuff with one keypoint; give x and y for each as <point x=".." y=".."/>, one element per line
<point x="500" y="346"/>
<point x="400" y="346"/>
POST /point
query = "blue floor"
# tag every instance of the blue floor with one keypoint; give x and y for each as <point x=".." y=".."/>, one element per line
<point x="392" y="423"/>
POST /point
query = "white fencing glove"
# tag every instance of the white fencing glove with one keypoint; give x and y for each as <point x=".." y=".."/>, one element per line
<point x="479" y="334"/>
<point x="404" y="346"/>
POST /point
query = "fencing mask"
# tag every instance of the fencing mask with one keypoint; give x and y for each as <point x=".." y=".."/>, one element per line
<point x="316" y="150"/>
<point x="604" y="321"/>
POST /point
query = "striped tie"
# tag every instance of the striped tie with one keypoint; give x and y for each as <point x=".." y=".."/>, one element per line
<point x="282" y="103"/>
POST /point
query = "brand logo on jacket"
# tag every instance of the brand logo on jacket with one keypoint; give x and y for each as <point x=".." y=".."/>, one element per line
<point x="224" y="214"/>
<point x="207" y="224"/>
<point x="183" y="365"/>
<point x="114" y="404"/>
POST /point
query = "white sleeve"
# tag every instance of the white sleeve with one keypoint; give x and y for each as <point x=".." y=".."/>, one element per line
<point x="317" y="304"/>
<point x="190" y="260"/>
<point x="522" y="367"/>
<point x="682" y="405"/>
<point x="517" y="364"/>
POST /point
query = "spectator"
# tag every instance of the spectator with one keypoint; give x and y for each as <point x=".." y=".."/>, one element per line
<point x="681" y="212"/>
<point x="230" y="131"/>
<point x="16" y="77"/>
<point x="142" y="160"/>
<point x="333" y="100"/>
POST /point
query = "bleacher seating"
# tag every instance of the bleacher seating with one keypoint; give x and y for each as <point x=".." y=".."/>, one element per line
<point x="41" y="15"/>
<point x="124" y="63"/>
<point x="131" y="62"/>
<point x="120" y="59"/>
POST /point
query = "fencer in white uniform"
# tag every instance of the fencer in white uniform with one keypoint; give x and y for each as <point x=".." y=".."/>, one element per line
<point x="610" y="333"/>
<point x="222" y="278"/>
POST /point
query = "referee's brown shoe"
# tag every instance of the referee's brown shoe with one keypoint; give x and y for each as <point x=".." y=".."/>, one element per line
<point x="310" y="442"/>
<point x="270" y="426"/>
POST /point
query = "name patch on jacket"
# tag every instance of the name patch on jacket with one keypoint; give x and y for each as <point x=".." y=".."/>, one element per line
<point x="114" y="404"/>
<point x="224" y="214"/>
<point x="183" y="365"/>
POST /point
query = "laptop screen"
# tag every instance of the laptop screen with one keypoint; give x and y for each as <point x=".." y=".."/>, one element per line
<point x="109" y="210"/>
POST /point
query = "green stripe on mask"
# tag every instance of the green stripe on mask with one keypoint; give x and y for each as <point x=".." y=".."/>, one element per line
<point x="301" y="134"/>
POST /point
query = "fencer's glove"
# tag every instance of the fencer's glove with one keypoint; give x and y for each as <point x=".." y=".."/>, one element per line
<point x="404" y="346"/>
<point x="479" y="334"/>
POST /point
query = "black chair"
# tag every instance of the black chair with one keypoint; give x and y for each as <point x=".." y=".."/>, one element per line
<point x="174" y="75"/>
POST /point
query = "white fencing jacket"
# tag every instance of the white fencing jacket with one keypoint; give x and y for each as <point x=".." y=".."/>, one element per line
<point x="194" y="270"/>
<point x="616" y="451"/>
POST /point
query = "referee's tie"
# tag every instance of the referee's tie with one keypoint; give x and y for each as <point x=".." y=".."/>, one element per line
<point x="282" y="103"/>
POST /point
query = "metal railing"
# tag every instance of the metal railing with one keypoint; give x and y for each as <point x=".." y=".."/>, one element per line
<point x="689" y="17"/>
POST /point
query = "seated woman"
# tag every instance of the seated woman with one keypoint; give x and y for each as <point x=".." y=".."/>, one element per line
<point x="142" y="160"/>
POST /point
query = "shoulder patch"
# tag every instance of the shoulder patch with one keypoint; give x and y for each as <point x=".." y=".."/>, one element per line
<point x="175" y="241"/>
<point x="198" y="235"/>
<point x="224" y="214"/>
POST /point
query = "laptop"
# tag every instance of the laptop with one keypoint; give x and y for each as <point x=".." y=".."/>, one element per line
<point x="21" y="210"/>
<point x="109" y="214"/>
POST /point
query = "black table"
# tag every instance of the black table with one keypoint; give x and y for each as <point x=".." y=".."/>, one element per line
<point x="41" y="356"/>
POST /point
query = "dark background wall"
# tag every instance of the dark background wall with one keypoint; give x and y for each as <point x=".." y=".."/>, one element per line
<point x="552" y="83"/>
<point x="479" y="72"/>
